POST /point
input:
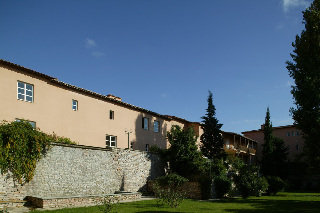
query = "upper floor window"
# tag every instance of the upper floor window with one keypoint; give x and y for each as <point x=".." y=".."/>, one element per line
<point x="111" y="115"/>
<point x="25" y="91"/>
<point x="74" y="105"/>
<point x="111" y="141"/>
<point x="288" y="133"/>
<point x="32" y="123"/>
<point x="145" y="123"/>
<point x="156" y="126"/>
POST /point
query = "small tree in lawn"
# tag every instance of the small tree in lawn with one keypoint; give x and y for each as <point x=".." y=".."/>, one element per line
<point x="305" y="71"/>
<point x="211" y="139"/>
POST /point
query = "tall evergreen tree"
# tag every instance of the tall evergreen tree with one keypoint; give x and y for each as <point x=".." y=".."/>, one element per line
<point x="211" y="139"/>
<point x="267" y="131"/>
<point x="274" y="152"/>
<point x="305" y="70"/>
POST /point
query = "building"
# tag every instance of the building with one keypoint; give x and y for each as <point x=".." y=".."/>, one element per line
<point x="84" y="116"/>
<point x="89" y="118"/>
<point x="291" y="136"/>
<point x="238" y="145"/>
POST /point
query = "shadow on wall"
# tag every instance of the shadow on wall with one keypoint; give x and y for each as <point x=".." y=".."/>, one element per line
<point x="146" y="135"/>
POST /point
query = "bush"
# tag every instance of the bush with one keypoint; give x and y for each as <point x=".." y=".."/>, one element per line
<point x="21" y="146"/>
<point x="249" y="183"/>
<point x="276" y="184"/>
<point x="168" y="189"/>
<point x="222" y="185"/>
<point x="109" y="204"/>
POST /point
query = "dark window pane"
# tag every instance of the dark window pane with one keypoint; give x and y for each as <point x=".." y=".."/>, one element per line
<point x="20" y="84"/>
<point x="20" y="96"/>
<point x="29" y="87"/>
<point x="28" y="98"/>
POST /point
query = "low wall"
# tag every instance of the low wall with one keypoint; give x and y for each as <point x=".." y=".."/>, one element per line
<point x="69" y="170"/>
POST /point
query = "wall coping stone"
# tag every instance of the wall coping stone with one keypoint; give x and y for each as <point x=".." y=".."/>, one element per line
<point x="85" y="196"/>
<point x="94" y="147"/>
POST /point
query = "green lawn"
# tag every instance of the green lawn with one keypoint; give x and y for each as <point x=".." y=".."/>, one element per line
<point x="283" y="202"/>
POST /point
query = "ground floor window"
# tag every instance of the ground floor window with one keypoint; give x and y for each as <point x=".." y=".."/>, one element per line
<point x="32" y="123"/>
<point x="111" y="141"/>
<point x="147" y="147"/>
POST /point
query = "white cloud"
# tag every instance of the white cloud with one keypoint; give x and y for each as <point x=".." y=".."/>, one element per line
<point x="288" y="4"/>
<point x="90" y="43"/>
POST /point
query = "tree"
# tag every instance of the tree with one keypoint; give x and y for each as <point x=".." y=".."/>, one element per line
<point x="211" y="139"/>
<point x="183" y="155"/>
<point x="305" y="70"/>
<point x="274" y="152"/>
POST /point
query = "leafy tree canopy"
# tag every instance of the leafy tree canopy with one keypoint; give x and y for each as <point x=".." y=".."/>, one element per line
<point x="305" y="71"/>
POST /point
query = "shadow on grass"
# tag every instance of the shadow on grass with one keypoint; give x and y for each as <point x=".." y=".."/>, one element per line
<point x="266" y="206"/>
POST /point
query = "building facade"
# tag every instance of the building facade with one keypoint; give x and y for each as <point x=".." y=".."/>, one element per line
<point x="89" y="118"/>
<point x="292" y="137"/>
<point x="83" y="116"/>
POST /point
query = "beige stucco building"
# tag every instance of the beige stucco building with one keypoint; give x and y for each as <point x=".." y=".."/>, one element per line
<point x="85" y="117"/>
<point x="292" y="137"/>
<point x="89" y="118"/>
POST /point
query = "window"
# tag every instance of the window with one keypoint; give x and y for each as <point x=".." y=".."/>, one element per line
<point x="145" y="123"/>
<point x="156" y="126"/>
<point x="25" y="92"/>
<point x="297" y="147"/>
<point x="111" y="115"/>
<point x="292" y="133"/>
<point x="297" y="133"/>
<point x="74" y="105"/>
<point x="111" y="141"/>
<point x="147" y="147"/>
<point x="32" y="123"/>
<point x="288" y="133"/>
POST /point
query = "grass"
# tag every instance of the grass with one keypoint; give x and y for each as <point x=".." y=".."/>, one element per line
<point x="283" y="202"/>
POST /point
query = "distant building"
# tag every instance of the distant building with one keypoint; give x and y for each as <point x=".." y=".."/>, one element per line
<point x="291" y="136"/>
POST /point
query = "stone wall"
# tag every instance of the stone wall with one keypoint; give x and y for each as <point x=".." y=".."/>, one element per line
<point x="69" y="170"/>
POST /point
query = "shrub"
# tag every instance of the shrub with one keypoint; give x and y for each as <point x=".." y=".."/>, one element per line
<point x="276" y="184"/>
<point x="168" y="189"/>
<point x="249" y="182"/>
<point x="109" y="204"/>
<point x="21" y="146"/>
<point x="222" y="185"/>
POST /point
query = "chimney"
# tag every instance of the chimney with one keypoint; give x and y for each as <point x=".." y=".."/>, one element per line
<point x="114" y="97"/>
<point x="262" y="127"/>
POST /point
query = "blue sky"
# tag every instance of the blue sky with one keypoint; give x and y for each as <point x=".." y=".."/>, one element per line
<point x="164" y="55"/>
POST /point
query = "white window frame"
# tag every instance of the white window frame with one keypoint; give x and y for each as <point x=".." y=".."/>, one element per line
<point x="109" y="141"/>
<point x="25" y="90"/>
<point x="154" y="126"/>
<point x="74" y="105"/>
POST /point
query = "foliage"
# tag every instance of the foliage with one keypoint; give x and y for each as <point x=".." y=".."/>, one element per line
<point x="249" y="182"/>
<point x="276" y="184"/>
<point x="222" y="185"/>
<point x="168" y="189"/>
<point x="59" y="139"/>
<point x="211" y="139"/>
<point x="109" y="204"/>
<point x="305" y="71"/>
<point x="274" y="152"/>
<point x="21" y="146"/>
<point x="183" y="155"/>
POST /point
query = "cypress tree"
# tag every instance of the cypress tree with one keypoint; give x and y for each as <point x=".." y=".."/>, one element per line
<point x="305" y="70"/>
<point x="211" y="139"/>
